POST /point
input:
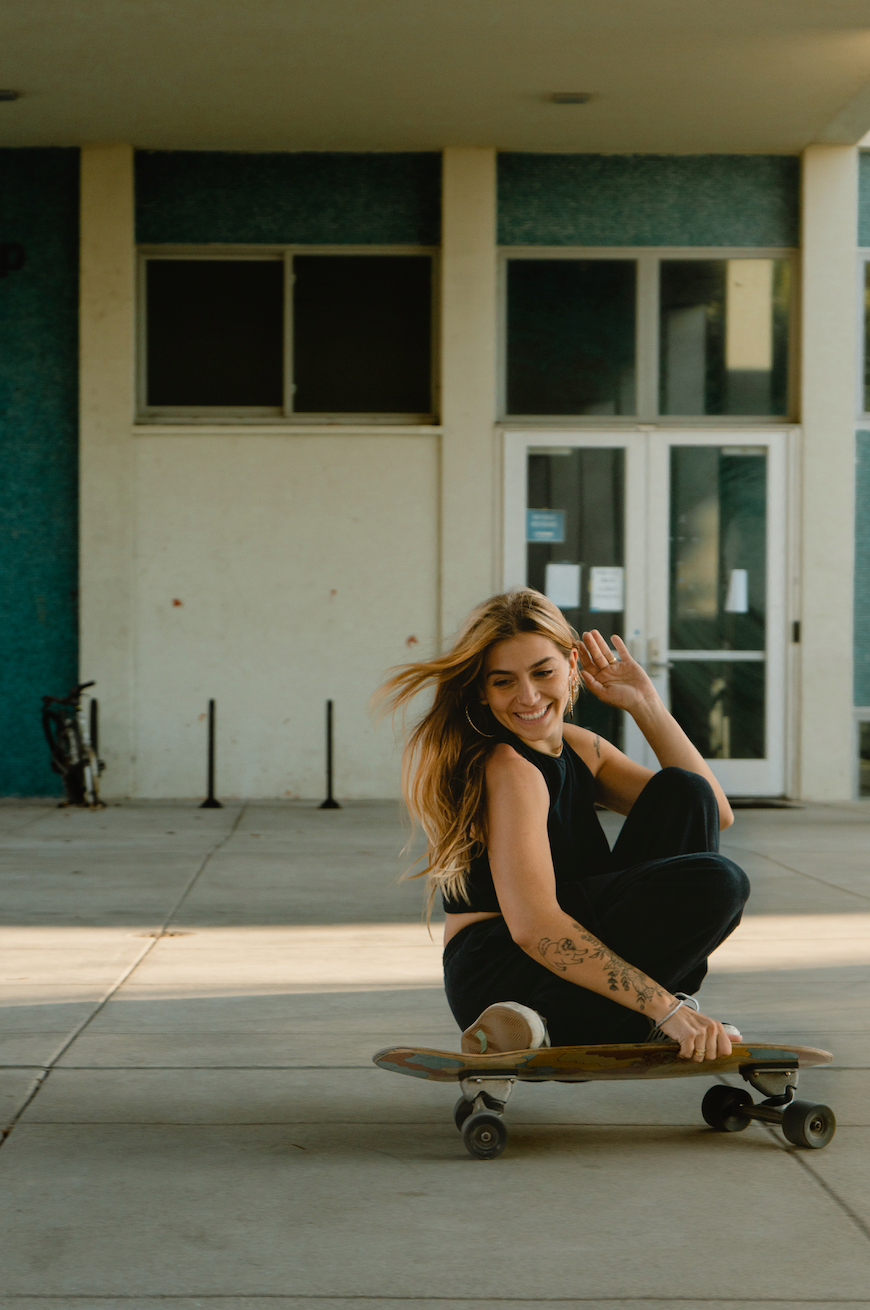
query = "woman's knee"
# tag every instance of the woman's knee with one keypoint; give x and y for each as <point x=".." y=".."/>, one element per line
<point x="685" y="787"/>
<point x="731" y="883"/>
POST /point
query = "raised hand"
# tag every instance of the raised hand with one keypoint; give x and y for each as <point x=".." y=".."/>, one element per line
<point x="620" y="682"/>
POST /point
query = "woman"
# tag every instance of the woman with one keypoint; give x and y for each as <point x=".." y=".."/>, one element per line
<point x="549" y="935"/>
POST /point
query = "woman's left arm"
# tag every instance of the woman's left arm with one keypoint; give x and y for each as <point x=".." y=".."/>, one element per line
<point x="626" y="685"/>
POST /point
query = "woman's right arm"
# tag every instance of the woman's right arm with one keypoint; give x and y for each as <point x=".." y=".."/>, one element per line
<point x="522" y="871"/>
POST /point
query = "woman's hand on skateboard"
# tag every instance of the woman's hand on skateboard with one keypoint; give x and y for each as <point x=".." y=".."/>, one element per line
<point x="700" y="1038"/>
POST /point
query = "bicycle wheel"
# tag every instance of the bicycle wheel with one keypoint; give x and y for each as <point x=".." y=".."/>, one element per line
<point x="68" y="755"/>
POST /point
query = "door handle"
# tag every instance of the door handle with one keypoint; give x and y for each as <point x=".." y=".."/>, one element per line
<point x="654" y="663"/>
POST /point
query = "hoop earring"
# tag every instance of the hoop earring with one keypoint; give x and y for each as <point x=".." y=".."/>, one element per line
<point x="474" y="725"/>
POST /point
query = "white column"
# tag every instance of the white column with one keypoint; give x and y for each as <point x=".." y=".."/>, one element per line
<point x="106" y="382"/>
<point x="469" y="465"/>
<point x="829" y="353"/>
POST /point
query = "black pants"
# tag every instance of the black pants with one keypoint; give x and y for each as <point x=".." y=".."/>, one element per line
<point x="668" y="900"/>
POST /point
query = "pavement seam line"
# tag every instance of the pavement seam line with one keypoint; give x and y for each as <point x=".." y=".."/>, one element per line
<point x="447" y="1300"/>
<point x="780" y="864"/>
<point x="863" y="1228"/>
<point x="119" y="983"/>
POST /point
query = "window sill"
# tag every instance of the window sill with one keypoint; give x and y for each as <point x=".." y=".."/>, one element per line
<point x="281" y="428"/>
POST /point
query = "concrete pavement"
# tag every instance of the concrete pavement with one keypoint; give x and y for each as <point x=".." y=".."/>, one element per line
<point x="189" y="1001"/>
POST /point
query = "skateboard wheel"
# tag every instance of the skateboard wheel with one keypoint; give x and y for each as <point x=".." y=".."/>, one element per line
<point x="806" y="1124"/>
<point x="721" y="1108"/>
<point x="461" y="1110"/>
<point x="484" y="1135"/>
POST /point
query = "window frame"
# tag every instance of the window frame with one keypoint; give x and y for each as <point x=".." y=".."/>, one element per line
<point x="285" y="414"/>
<point x="647" y="260"/>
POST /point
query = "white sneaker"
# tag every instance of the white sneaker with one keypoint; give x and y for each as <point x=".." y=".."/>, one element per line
<point x="505" y="1026"/>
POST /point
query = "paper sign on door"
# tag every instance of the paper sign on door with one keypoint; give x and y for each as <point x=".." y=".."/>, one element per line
<point x="562" y="585"/>
<point x="606" y="590"/>
<point x="737" y="600"/>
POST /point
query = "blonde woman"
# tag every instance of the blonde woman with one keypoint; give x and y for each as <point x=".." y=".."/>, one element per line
<point x="550" y="935"/>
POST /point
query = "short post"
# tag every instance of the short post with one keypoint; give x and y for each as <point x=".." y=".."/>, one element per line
<point x="330" y="803"/>
<point x="210" y="803"/>
<point x="94" y="726"/>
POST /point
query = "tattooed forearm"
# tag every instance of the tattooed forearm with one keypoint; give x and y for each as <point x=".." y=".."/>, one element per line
<point x="559" y="954"/>
<point x="597" y="744"/>
<point x="621" y="977"/>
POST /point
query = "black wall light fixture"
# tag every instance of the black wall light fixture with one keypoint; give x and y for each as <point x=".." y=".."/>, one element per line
<point x="570" y="97"/>
<point x="10" y="95"/>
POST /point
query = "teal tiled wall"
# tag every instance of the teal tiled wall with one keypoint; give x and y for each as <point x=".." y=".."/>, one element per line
<point x="321" y="199"/>
<point x="38" y="439"/>
<point x="648" y="200"/>
<point x="862" y="569"/>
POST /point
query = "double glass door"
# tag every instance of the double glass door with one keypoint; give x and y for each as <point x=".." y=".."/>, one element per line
<point x="676" y="541"/>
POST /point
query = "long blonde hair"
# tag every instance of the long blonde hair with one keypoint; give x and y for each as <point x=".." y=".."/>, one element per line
<point x="444" y="758"/>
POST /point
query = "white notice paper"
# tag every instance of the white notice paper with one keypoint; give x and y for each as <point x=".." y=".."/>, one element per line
<point x="737" y="600"/>
<point x="562" y="585"/>
<point x="606" y="590"/>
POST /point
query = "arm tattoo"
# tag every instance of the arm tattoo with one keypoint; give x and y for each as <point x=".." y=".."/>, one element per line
<point x="596" y="744"/>
<point x="621" y="976"/>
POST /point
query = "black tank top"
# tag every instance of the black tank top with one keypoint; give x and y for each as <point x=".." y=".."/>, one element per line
<point x="577" y="842"/>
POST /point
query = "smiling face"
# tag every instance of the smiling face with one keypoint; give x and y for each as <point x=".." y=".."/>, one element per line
<point x="526" y="684"/>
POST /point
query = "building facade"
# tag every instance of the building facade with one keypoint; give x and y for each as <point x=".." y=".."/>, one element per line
<point x="274" y="421"/>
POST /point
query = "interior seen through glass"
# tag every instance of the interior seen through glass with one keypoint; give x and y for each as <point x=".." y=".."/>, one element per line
<point x="867" y="338"/>
<point x="720" y="707"/>
<point x="575" y="534"/>
<point x="718" y="590"/>
<point x="864" y="759"/>
<point x="718" y="583"/>
<point x="724" y="336"/>
<point x="571" y="336"/>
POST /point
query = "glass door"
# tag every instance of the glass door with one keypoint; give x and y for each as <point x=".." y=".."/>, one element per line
<point x="716" y="642"/>
<point x="677" y="542"/>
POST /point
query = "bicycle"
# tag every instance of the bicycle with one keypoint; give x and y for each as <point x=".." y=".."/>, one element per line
<point x="72" y="741"/>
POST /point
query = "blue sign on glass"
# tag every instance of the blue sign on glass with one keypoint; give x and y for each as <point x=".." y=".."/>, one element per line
<point x="545" y="525"/>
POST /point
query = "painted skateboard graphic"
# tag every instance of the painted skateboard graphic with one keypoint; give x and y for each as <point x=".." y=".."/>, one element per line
<point x="486" y="1082"/>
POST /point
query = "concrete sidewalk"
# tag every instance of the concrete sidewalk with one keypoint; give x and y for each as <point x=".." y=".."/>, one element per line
<point x="190" y="1002"/>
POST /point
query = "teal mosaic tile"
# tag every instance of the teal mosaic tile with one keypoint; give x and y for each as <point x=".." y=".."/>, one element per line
<point x="862" y="568"/>
<point x="322" y="199"/>
<point x="648" y="200"/>
<point x="39" y="204"/>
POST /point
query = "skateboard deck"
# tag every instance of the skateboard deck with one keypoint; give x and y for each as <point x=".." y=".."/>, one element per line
<point x="581" y="1064"/>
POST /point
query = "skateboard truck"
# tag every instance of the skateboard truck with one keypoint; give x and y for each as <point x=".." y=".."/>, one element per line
<point x="803" y="1123"/>
<point x="478" y="1115"/>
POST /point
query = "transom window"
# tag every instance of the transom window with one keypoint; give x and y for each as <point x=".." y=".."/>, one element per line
<point x="676" y="334"/>
<point x="314" y="335"/>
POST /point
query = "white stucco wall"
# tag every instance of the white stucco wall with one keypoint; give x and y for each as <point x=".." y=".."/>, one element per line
<point x="303" y="564"/>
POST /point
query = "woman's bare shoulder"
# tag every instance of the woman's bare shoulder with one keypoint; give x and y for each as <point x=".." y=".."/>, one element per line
<point x="590" y="746"/>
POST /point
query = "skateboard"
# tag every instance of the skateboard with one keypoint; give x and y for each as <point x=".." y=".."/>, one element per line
<point x="486" y="1082"/>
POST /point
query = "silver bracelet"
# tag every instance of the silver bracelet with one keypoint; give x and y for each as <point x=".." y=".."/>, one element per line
<point x="679" y="1005"/>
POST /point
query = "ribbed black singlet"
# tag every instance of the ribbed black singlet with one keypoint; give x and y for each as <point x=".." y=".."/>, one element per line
<point x="577" y="842"/>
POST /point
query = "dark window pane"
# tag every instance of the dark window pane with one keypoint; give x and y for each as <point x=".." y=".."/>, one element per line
<point x="577" y="499"/>
<point x="362" y="330"/>
<point x="864" y="759"/>
<point x="866" y="339"/>
<point x="720" y="707"/>
<point x="718" y="583"/>
<point x="724" y="336"/>
<point x="215" y="332"/>
<point x="571" y="336"/>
